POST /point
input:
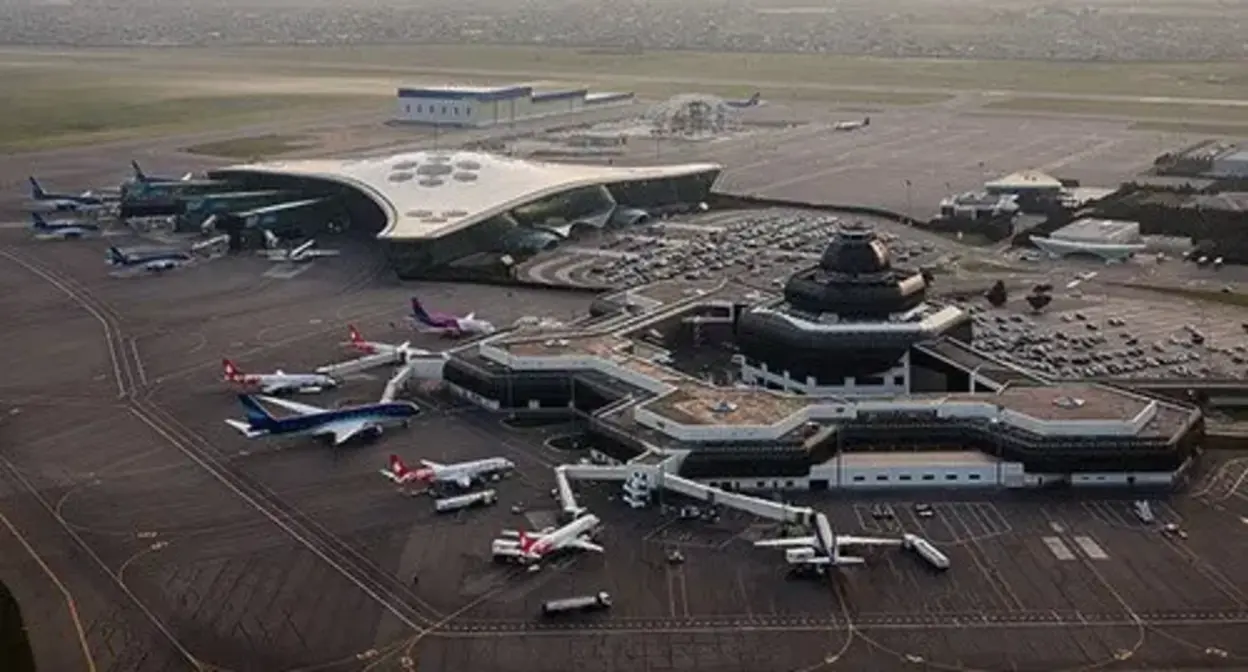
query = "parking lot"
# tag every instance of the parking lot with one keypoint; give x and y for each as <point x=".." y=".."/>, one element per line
<point x="1095" y="331"/>
<point x="760" y="247"/>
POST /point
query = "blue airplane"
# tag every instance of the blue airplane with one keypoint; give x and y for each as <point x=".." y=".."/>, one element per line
<point x="84" y="202"/>
<point x="339" y="424"/>
<point x="148" y="260"/>
<point x="61" y="229"/>
<point x="140" y="176"/>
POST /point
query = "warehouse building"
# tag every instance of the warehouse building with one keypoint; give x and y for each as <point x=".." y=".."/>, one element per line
<point x="1109" y="239"/>
<point x="488" y="106"/>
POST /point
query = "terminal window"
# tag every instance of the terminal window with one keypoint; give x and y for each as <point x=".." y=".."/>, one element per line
<point x="899" y="380"/>
<point x="881" y="477"/>
<point x="905" y="477"/>
<point x="860" y="478"/>
<point x="973" y="477"/>
<point x="929" y="477"/>
<point x="951" y="477"/>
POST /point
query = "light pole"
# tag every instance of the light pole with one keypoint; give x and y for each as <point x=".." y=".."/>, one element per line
<point x="909" y="218"/>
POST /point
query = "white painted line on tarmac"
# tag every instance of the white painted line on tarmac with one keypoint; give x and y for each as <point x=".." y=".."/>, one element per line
<point x="1059" y="549"/>
<point x="1091" y="548"/>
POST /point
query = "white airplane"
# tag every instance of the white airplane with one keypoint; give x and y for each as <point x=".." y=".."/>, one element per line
<point x="279" y="381"/>
<point x="526" y="549"/>
<point x="852" y="125"/>
<point x="448" y="325"/>
<point x="462" y="474"/>
<point x="86" y="202"/>
<point x="306" y="251"/>
<point x="823" y="549"/>
<point x="362" y="346"/>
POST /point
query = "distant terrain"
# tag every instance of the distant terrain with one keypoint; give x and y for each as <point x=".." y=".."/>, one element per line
<point x="1094" y="30"/>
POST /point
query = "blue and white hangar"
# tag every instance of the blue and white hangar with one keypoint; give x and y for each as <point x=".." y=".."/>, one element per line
<point x="472" y="215"/>
<point x="473" y="106"/>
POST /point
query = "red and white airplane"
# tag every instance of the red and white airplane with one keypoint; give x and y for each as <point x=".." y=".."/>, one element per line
<point x="279" y="381"/>
<point x="525" y="548"/>
<point x="360" y="345"/>
<point x="462" y="474"/>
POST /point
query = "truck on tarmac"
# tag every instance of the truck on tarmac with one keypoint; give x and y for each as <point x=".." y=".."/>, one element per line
<point x="579" y="604"/>
<point x="452" y="504"/>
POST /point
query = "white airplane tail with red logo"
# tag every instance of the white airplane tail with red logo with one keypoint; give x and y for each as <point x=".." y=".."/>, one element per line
<point x="232" y="372"/>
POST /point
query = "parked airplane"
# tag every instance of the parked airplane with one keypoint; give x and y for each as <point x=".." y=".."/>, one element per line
<point x="340" y="424"/>
<point x="526" y="549"/>
<point x="755" y="100"/>
<point x="823" y="548"/>
<point x="362" y="346"/>
<point x="462" y="474"/>
<point x="49" y="202"/>
<point x="61" y="229"/>
<point x="305" y="251"/>
<point x="448" y="325"/>
<point x="852" y="125"/>
<point x="140" y="176"/>
<point x="279" y="381"/>
<point x="149" y="260"/>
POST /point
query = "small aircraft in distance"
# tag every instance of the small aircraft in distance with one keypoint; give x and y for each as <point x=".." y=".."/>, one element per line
<point x="305" y="251"/>
<point x="462" y="474"/>
<point x="448" y="325"/>
<point x="149" y="260"/>
<point x="279" y="381"/>
<point x="140" y="176"/>
<point x="338" y="424"/>
<point x="61" y="229"/>
<point x="45" y="201"/>
<point x="852" y="125"/>
<point x="526" y="548"/>
<point x="755" y="100"/>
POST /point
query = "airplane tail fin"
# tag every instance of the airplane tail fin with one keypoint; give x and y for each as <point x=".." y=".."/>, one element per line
<point x="37" y="221"/>
<point x="419" y="311"/>
<point x="526" y="542"/>
<point x="270" y="240"/>
<point x="36" y="191"/>
<point x="754" y="99"/>
<point x="115" y="256"/>
<point x="257" y="416"/>
<point x="356" y="338"/>
<point x="866" y="121"/>
<point x="138" y="172"/>
<point x="397" y="467"/>
<point x="232" y="372"/>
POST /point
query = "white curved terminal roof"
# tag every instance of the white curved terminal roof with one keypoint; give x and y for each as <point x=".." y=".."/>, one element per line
<point x="428" y="194"/>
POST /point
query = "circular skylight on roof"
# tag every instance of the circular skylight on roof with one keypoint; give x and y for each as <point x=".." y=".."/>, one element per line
<point x="419" y="213"/>
<point x="468" y="165"/>
<point x="431" y="182"/>
<point x="466" y="177"/>
<point x="404" y="165"/>
<point x="434" y="169"/>
<point x="454" y="213"/>
<point x="439" y="158"/>
<point x="400" y="177"/>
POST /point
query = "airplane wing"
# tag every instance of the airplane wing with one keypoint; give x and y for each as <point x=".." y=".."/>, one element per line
<point x="843" y="540"/>
<point x="585" y="545"/>
<point x="322" y="253"/>
<point x="344" y="430"/>
<point x="301" y="409"/>
<point x="245" y="429"/>
<point x="271" y="388"/>
<point x="788" y="542"/>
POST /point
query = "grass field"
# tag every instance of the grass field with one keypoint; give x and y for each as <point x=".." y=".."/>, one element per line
<point x="1186" y="113"/>
<point x="253" y="147"/>
<point x="64" y="97"/>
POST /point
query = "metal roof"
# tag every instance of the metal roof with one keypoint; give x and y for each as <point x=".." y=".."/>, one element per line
<point x="428" y="194"/>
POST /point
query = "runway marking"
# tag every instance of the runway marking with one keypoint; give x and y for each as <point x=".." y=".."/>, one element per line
<point x="1058" y="548"/>
<point x="69" y="599"/>
<point x="1091" y="548"/>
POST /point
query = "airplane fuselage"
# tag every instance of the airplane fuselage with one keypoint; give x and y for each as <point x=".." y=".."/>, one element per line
<point x="392" y="413"/>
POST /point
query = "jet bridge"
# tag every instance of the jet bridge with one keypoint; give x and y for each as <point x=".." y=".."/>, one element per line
<point x="361" y="364"/>
<point x="659" y="476"/>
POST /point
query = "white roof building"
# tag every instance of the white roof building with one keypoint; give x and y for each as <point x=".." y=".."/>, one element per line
<point x="428" y="194"/>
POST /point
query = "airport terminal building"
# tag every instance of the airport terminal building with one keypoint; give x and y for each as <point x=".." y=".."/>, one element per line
<point x="469" y="215"/>
<point x="943" y="414"/>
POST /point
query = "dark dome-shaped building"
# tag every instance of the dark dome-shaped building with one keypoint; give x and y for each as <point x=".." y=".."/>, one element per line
<point x="846" y="325"/>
